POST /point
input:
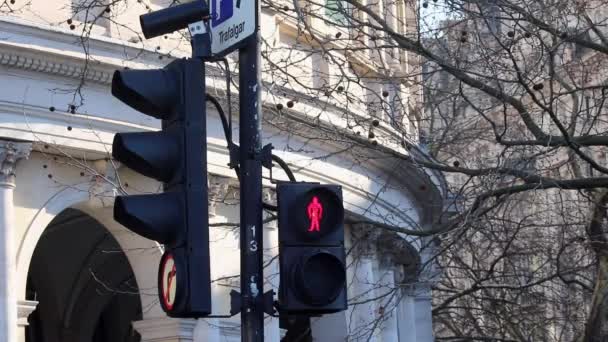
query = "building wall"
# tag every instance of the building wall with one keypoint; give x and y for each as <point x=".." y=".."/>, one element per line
<point x="457" y="127"/>
<point x="44" y="71"/>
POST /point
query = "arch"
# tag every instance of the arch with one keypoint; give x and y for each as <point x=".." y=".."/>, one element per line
<point x="143" y="254"/>
<point x="83" y="282"/>
<point x="57" y="203"/>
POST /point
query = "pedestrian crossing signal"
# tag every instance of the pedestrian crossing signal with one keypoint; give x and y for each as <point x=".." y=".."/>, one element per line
<point x="315" y="214"/>
<point x="311" y="248"/>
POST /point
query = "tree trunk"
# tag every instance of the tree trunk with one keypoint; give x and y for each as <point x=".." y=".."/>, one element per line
<point x="596" y="329"/>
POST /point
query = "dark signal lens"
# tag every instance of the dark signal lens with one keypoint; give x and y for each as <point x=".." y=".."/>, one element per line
<point x="320" y="278"/>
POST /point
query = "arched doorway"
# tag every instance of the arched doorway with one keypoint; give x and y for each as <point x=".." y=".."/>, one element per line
<point x="83" y="282"/>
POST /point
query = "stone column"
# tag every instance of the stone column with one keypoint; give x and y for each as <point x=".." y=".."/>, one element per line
<point x="415" y="314"/>
<point x="10" y="153"/>
<point x="362" y="313"/>
<point x="390" y="295"/>
<point x="271" y="272"/>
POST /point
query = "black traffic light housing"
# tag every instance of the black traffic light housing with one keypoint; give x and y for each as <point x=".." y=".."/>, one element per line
<point x="311" y="248"/>
<point x="176" y="156"/>
<point x="173" y="18"/>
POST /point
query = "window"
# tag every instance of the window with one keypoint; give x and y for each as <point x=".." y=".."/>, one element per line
<point x="521" y="163"/>
<point x="395" y="104"/>
<point x="90" y="12"/>
<point x="320" y="71"/>
<point x="374" y="100"/>
<point x="401" y="28"/>
<point x="579" y="50"/>
<point x="337" y="11"/>
<point x="491" y="13"/>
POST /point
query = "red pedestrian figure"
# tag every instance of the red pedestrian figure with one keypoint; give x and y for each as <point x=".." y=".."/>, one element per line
<point x="315" y="214"/>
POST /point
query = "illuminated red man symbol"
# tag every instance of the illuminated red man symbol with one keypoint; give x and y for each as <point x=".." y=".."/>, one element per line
<point x="315" y="214"/>
<point x="170" y="277"/>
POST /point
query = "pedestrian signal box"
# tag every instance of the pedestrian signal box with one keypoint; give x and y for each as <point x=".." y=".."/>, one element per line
<point x="311" y="248"/>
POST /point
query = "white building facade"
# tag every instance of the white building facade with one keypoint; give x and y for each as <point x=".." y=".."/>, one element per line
<point x="69" y="272"/>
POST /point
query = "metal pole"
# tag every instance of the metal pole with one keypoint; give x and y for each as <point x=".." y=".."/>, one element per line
<point x="252" y="280"/>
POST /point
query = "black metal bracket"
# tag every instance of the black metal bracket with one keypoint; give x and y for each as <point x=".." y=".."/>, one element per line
<point x="264" y="156"/>
<point x="201" y="40"/>
<point x="269" y="302"/>
<point x="234" y="151"/>
<point x="236" y="302"/>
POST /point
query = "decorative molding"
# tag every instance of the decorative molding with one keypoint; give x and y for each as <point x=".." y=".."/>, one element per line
<point x="10" y="153"/>
<point x="364" y="240"/>
<point x="103" y="191"/>
<point x="230" y="329"/>
<point x="61" y="68"/>
<point x="269" y="195"/>
<point x="166" y="330"/>
<point x="218" y="190"/>
<point x="391" y="249"/>
<point x="419" y="290"/>
<point x="24" y="309"/>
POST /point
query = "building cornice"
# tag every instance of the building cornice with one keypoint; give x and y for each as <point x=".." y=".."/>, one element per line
<point x="11" y="57"/>
<point x="56" y="51"/>
<point x="76" y="65"/>
<point x="41" y="56"/>
<point x="12" y="26"/>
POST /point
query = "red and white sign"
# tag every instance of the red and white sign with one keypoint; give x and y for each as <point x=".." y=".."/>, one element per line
<point x="168" y="281"/>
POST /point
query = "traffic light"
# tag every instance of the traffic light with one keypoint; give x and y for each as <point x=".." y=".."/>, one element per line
<point x="176" y="156"/>
<point x="311" y="248"/>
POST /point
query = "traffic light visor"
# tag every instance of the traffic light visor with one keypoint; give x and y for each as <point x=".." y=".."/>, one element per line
<point x="153" y="154"/>
<point x="173" y="18"/>
<point x="155" y="216"/>
<point x="152" y="92"/>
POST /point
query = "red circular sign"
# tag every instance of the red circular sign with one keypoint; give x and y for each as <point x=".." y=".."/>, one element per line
<point x="168" y="281"/>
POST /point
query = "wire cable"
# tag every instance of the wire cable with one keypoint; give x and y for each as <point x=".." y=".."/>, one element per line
<point x="285" y="167"/>
<point x="220" y="110"/>
<point x="228" y="134"/>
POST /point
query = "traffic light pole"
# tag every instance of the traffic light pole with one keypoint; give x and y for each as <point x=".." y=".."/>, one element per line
<point x="252" y="279"/>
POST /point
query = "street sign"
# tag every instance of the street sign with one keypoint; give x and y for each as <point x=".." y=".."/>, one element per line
<point x="168" y="281"/>
<point x="232" y="21"/>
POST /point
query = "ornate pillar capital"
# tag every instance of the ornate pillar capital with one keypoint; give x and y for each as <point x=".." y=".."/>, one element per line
<point x="10" y="153"/>
<point x="219" y="188"/>
<point x="364" y="238"/>
<point x="24" y="309"/>
<point x="103" y="191"/>
<point x="269" y="195"/>
<point x="166" y="329"/>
